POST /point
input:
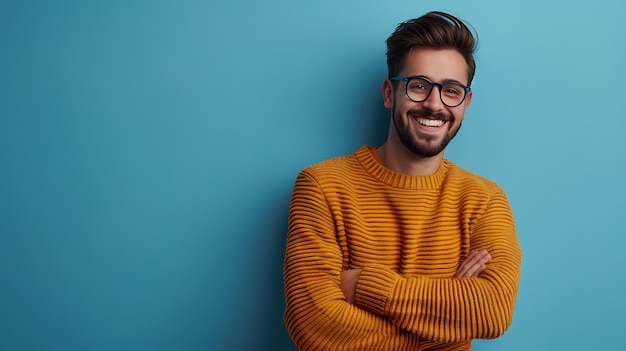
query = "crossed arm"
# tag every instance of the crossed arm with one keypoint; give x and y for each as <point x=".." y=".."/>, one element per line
<point x="326" y="305"/>
<point x="470" y="268"/>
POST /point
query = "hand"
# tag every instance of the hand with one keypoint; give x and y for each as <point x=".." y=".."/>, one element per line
<point x="349" y="278"/>
<point x="473" y="265"/>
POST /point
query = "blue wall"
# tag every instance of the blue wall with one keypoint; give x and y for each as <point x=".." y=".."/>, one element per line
<point x="148" y="150"/>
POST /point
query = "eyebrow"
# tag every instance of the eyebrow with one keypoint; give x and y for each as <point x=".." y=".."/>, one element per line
<point x="445" y="81"/>
<point x="452" y="81"/>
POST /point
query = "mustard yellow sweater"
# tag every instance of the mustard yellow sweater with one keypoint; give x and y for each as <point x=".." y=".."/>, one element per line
<point x="409" y="234"/>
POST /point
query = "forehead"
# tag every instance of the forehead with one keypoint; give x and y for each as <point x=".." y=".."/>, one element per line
<point x="436" y="64"/>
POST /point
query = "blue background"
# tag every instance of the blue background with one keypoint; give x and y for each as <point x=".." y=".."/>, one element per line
<point x="148" y="150"/>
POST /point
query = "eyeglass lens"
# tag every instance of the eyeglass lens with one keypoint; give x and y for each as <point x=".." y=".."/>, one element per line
<point x="452" y="94"/>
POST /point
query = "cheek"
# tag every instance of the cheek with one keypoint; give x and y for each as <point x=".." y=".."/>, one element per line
<point x="399" y="100"/>
<point x="401" y="105"/>
<point x="458" y="116"/>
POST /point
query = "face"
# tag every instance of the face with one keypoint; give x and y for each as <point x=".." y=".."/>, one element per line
<point x="425" y="128"/>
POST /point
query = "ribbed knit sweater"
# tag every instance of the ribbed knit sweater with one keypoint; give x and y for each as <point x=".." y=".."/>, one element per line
<point x="409" y="234"/>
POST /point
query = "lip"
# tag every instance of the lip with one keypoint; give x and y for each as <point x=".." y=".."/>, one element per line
<point x="430" y="129"/>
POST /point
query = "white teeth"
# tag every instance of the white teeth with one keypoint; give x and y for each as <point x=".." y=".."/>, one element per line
<point x="430" y="122"/>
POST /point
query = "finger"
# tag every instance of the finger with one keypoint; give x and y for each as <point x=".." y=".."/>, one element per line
<point x="475" y="270"/>
<point x="470" y="270"/>
<point x="466" y="265"/>
<point x="473" y="265"/>
<point x="478" y="267"/>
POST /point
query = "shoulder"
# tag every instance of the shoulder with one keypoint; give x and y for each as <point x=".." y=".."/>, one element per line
<point x="332" y="174"/>
<point x="335" y="164"/>
<point x="470" y="180"/>
<point x="336" y="167"/>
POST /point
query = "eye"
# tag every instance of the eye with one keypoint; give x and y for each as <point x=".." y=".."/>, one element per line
<point x="452" y="90"/>
<point x="419" y="84"/>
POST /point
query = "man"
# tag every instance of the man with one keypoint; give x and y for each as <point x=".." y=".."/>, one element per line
<point x="395" y="247"/>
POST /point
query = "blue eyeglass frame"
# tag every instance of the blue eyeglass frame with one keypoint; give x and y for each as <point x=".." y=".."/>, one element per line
<point x="406" y="80"/>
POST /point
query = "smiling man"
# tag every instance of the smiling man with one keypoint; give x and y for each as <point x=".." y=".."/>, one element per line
<point x="395" y="247"/>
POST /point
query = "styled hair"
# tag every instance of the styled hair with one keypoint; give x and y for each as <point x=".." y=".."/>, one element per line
<point x="437" y="30"/>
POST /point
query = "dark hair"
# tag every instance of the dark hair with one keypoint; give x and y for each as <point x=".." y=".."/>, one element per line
<point x="432" y="30"/>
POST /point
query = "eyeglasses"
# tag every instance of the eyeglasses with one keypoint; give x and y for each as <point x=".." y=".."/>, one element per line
<point x="418" y="89"/>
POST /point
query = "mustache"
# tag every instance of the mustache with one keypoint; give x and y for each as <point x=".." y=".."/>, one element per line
<point x="424" y="113"/>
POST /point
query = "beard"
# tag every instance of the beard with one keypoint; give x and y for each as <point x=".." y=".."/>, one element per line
<point x="427" y="146"/>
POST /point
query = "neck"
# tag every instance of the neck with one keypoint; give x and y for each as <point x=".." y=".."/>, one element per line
<point x="399" y="159"/>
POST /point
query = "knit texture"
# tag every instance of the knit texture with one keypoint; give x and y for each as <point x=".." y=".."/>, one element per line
<point x="409" y="234"/>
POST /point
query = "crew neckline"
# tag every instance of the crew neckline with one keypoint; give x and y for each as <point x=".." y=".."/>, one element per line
<point x="373" y="165"/>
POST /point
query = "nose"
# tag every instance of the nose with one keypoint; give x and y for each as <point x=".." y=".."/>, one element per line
<point x="433" y="102"/>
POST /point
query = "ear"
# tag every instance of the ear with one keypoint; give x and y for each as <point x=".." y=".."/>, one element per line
<point x="468" y="98"/>
<point x="387" y="90"/>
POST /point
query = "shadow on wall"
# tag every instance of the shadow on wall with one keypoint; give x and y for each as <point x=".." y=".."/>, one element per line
<point x="260" y="323"/>
<point x="376" y="115"/>
<point x="374" y="125"/>
<point x="273" y="332"/>
<point x="264" y="328"/>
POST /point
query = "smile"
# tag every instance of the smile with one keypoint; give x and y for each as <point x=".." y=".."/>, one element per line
<point x="430" y="122"/>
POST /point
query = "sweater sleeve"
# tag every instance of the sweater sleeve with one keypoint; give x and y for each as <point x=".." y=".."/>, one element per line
<point x="317" y="315"/>
<point x="450" y="310"/>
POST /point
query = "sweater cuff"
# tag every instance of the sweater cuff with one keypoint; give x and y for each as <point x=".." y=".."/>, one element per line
<point x="373" y="288"/>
